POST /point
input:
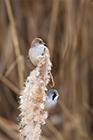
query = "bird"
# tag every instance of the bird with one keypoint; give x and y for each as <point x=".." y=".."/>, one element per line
<point x="51" y="98"/>
<point x="38" y="49"/>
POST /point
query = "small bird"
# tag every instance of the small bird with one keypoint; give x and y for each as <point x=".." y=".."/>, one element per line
<point x="37" y="49"/>
<point x="51" y="98"/>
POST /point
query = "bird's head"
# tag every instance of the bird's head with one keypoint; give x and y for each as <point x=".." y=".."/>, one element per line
<point x="37" y="41"/>
<point x="51" y="98"/>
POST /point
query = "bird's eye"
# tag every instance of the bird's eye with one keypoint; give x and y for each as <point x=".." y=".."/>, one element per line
<point x="40" y="41"/>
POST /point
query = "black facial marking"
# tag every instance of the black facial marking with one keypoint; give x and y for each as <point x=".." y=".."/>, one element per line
<point x="54" y="95"/>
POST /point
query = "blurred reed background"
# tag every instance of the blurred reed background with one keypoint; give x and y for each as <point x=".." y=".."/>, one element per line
<point x="67" y="28"/>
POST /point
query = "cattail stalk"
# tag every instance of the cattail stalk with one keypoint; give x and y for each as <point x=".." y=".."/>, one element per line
<point x="32" y="101"/>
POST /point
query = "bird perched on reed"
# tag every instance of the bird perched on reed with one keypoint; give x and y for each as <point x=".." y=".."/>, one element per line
<point x="36" y="52"/>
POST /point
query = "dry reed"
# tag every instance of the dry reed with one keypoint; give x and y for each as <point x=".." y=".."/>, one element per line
<point x="67" y="27"/>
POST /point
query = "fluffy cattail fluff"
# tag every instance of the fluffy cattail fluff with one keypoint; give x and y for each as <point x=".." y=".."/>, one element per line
<point x="32" y="101"/>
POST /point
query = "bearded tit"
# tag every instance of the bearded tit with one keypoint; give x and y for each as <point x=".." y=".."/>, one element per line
<point x="51" y="98"/>
<point x="38" y="49"/>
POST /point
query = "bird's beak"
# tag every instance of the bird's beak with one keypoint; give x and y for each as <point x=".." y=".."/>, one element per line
<point x="57" y="94"/>
<point x="44" y="43"/>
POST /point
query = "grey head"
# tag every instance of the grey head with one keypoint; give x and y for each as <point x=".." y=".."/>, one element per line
<point x="51" y="98"/>
<point x="52" y="93"/>
<point x="37" y="41"/>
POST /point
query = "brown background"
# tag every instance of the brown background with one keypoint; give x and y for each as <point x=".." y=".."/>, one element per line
<point x="67" y="28"/>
